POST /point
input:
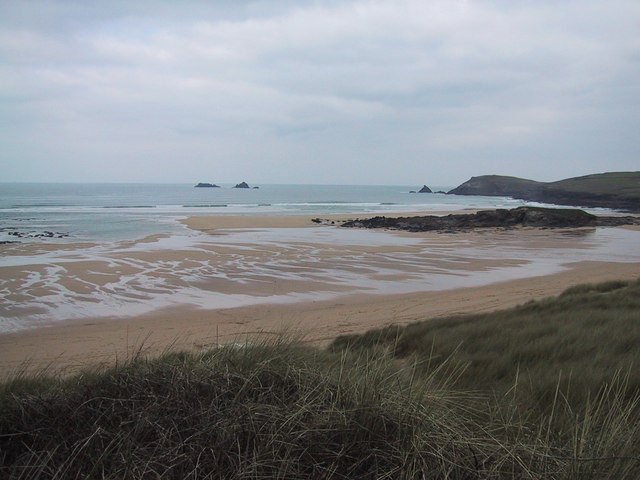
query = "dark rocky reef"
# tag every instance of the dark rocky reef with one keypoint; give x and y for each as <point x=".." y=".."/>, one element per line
<point x="43" y="234"/>
<point x="617" y="190"/>
<point x="324" y="221"/>
<point x="242" y="185"/>
<point x="425" y="189"/>
<point x="501" y="218"/>
<point x="207" y="185"/>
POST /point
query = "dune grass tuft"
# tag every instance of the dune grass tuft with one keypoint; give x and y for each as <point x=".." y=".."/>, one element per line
<point x="580" y="338"/>
<point x="566" y="366"/>
<point x="545" y="390"/>
<point x="259" y="411"/>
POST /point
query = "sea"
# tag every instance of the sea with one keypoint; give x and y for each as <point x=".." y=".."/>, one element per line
<point x="73" y="212"/>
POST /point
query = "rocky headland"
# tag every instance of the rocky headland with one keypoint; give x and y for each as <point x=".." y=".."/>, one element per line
<point x="617" y="190"/>
<point x="500" y="218"/>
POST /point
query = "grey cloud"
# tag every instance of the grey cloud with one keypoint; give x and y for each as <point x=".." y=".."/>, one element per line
<point x="440" y="90"/>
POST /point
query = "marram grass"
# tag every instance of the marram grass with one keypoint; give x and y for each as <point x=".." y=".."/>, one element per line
<point x="581" y="339"/>
<point x="260" y="411"/>
<point x="376" y="406"/>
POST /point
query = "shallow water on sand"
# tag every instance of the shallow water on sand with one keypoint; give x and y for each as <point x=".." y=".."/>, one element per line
<point x="40" y="284"/>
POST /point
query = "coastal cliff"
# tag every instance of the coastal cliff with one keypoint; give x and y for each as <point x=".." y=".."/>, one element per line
<point x="618" y="190"/>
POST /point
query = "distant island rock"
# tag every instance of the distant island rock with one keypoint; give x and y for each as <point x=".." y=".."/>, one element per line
<point x="242" y="185"/>
<point x="207" y="185"/>
<point x="500" y="218"/>
<point x="256" y="188"/>
<point x="618" y="190"/>
<point x="424" y="189"/>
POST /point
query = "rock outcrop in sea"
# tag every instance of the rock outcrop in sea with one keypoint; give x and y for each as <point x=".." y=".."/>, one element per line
<point x="43" y="234"/>
<point x="500" y="218"/>
<point x="242" y="185"/>
<point x="425" y="189"/>
<point x="207" y="185"/>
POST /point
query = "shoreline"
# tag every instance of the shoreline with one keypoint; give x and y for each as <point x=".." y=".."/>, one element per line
<point x="70" y="346"/>
<point x="384" y="263"/>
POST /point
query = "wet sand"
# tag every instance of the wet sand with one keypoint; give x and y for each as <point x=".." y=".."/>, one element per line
<point x="315" y="280"/>
<point x="222" y="222"/>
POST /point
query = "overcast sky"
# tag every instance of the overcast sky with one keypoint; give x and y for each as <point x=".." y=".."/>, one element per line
<point x="339" y="92"/>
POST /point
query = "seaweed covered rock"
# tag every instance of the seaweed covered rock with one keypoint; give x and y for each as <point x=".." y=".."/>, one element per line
<point x="500" y="218"/>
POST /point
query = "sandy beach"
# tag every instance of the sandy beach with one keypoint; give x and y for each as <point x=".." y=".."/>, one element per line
<point x="230" y="278"/>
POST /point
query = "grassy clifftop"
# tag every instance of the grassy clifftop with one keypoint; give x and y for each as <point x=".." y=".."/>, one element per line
<point x="620" y="190"/>
<point x="625" y="184"/>
<point x="545" y="390"/>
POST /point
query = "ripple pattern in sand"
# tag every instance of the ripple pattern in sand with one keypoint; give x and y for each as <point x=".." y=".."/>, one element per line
<point x="241" y="267"/>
